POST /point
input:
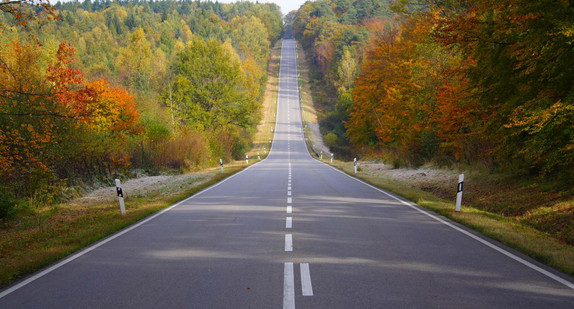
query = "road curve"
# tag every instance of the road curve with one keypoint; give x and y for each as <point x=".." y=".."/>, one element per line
<point x="293" y="232"/>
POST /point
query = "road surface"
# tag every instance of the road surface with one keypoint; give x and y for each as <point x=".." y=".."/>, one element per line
<point x="293" y="232"/>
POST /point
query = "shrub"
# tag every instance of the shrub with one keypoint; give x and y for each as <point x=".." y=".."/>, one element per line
<point x="7" y="202"/>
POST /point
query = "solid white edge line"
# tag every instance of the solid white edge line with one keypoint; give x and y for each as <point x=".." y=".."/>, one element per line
<point x="112" y="237"/>
<point x="306" y="286"/>
<point x="477" y="238"/>
<point x="288" y="287"/>
<point x="137" y="224"/>
<point x="289" y="222"/>
<point x="288" y="242"/>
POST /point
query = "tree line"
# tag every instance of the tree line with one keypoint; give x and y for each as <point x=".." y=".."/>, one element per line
<point x="89" y="90"/>
<point x="335" y="35"/>
<point x="475" y="82"/>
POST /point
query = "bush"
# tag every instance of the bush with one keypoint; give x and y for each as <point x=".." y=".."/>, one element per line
<point x="7" y="202"/>
<point x="185" y="150"/>
<point x="331" y="140"/>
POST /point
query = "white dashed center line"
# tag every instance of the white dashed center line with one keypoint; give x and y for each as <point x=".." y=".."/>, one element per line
<point x="289" y="223"/>
<point x="288" y="242"/>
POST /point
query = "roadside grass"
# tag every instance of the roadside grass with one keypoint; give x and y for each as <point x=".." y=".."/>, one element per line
<point x="264" y="136"/>
<point x="27" y="245"/>
<point x="534" y="217"/>
<point x="42" y="236"/>
<point x="509" y="230"/>
<point x="308" y="111"/>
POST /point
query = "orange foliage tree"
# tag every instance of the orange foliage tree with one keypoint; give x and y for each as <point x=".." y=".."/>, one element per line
<point x="28" y="117"/>
<point x="386" y="110"/>
<point x="522" y="74"/>
<point x="412" y="98"/>
<point x="53" y="123"/>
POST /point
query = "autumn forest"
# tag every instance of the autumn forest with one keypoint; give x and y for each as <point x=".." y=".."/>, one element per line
<point x="89" y="90"/>
<point x="488" y="83"/>
<point x="98" y="88"/>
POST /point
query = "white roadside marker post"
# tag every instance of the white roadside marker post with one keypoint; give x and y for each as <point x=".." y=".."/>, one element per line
<point x="321" y="155"/>
<point x="459" y="192"/>
<point x="332" y="155"/>
<point x="120" y="197"/>
<point x="355" y="164"/>
<point x="247" y="159"/>
<point x="221" y="164"/>
<point x="264" y="150"/>
<point x="258" y="156"/>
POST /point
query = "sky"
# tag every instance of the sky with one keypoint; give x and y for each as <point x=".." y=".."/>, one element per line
<point x="286" y="5"/>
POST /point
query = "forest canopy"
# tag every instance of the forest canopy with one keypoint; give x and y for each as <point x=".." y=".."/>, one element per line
<point x="488" y="83"/>
<point x="98" y="88"/>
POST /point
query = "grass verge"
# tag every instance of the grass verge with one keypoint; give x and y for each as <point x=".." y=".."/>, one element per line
<point x="27" y="244"/>
<point x="264" y="135"/>
<point x="524" y="216"/>
<point x="507" y="230"/>
<point x="44" y="236"/>
<point x="308" y="111"/>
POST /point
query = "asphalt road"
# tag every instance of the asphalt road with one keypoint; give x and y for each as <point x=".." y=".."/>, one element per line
<point x="293" y="232"/>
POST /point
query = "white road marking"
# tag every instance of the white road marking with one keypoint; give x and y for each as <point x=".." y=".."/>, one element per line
<point x="289" y="209"/>
<point x="289" y="188"/>
<point x="467" y="233"/>
<point x="288" y="287"/>
<point x="306" y="280"/>
<point x="289" y="200"/>
<point x="119" y="234"/>
<point x="289" y="223"/>
<point x="288" y="193"/>
<point x="288" y="242"/>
